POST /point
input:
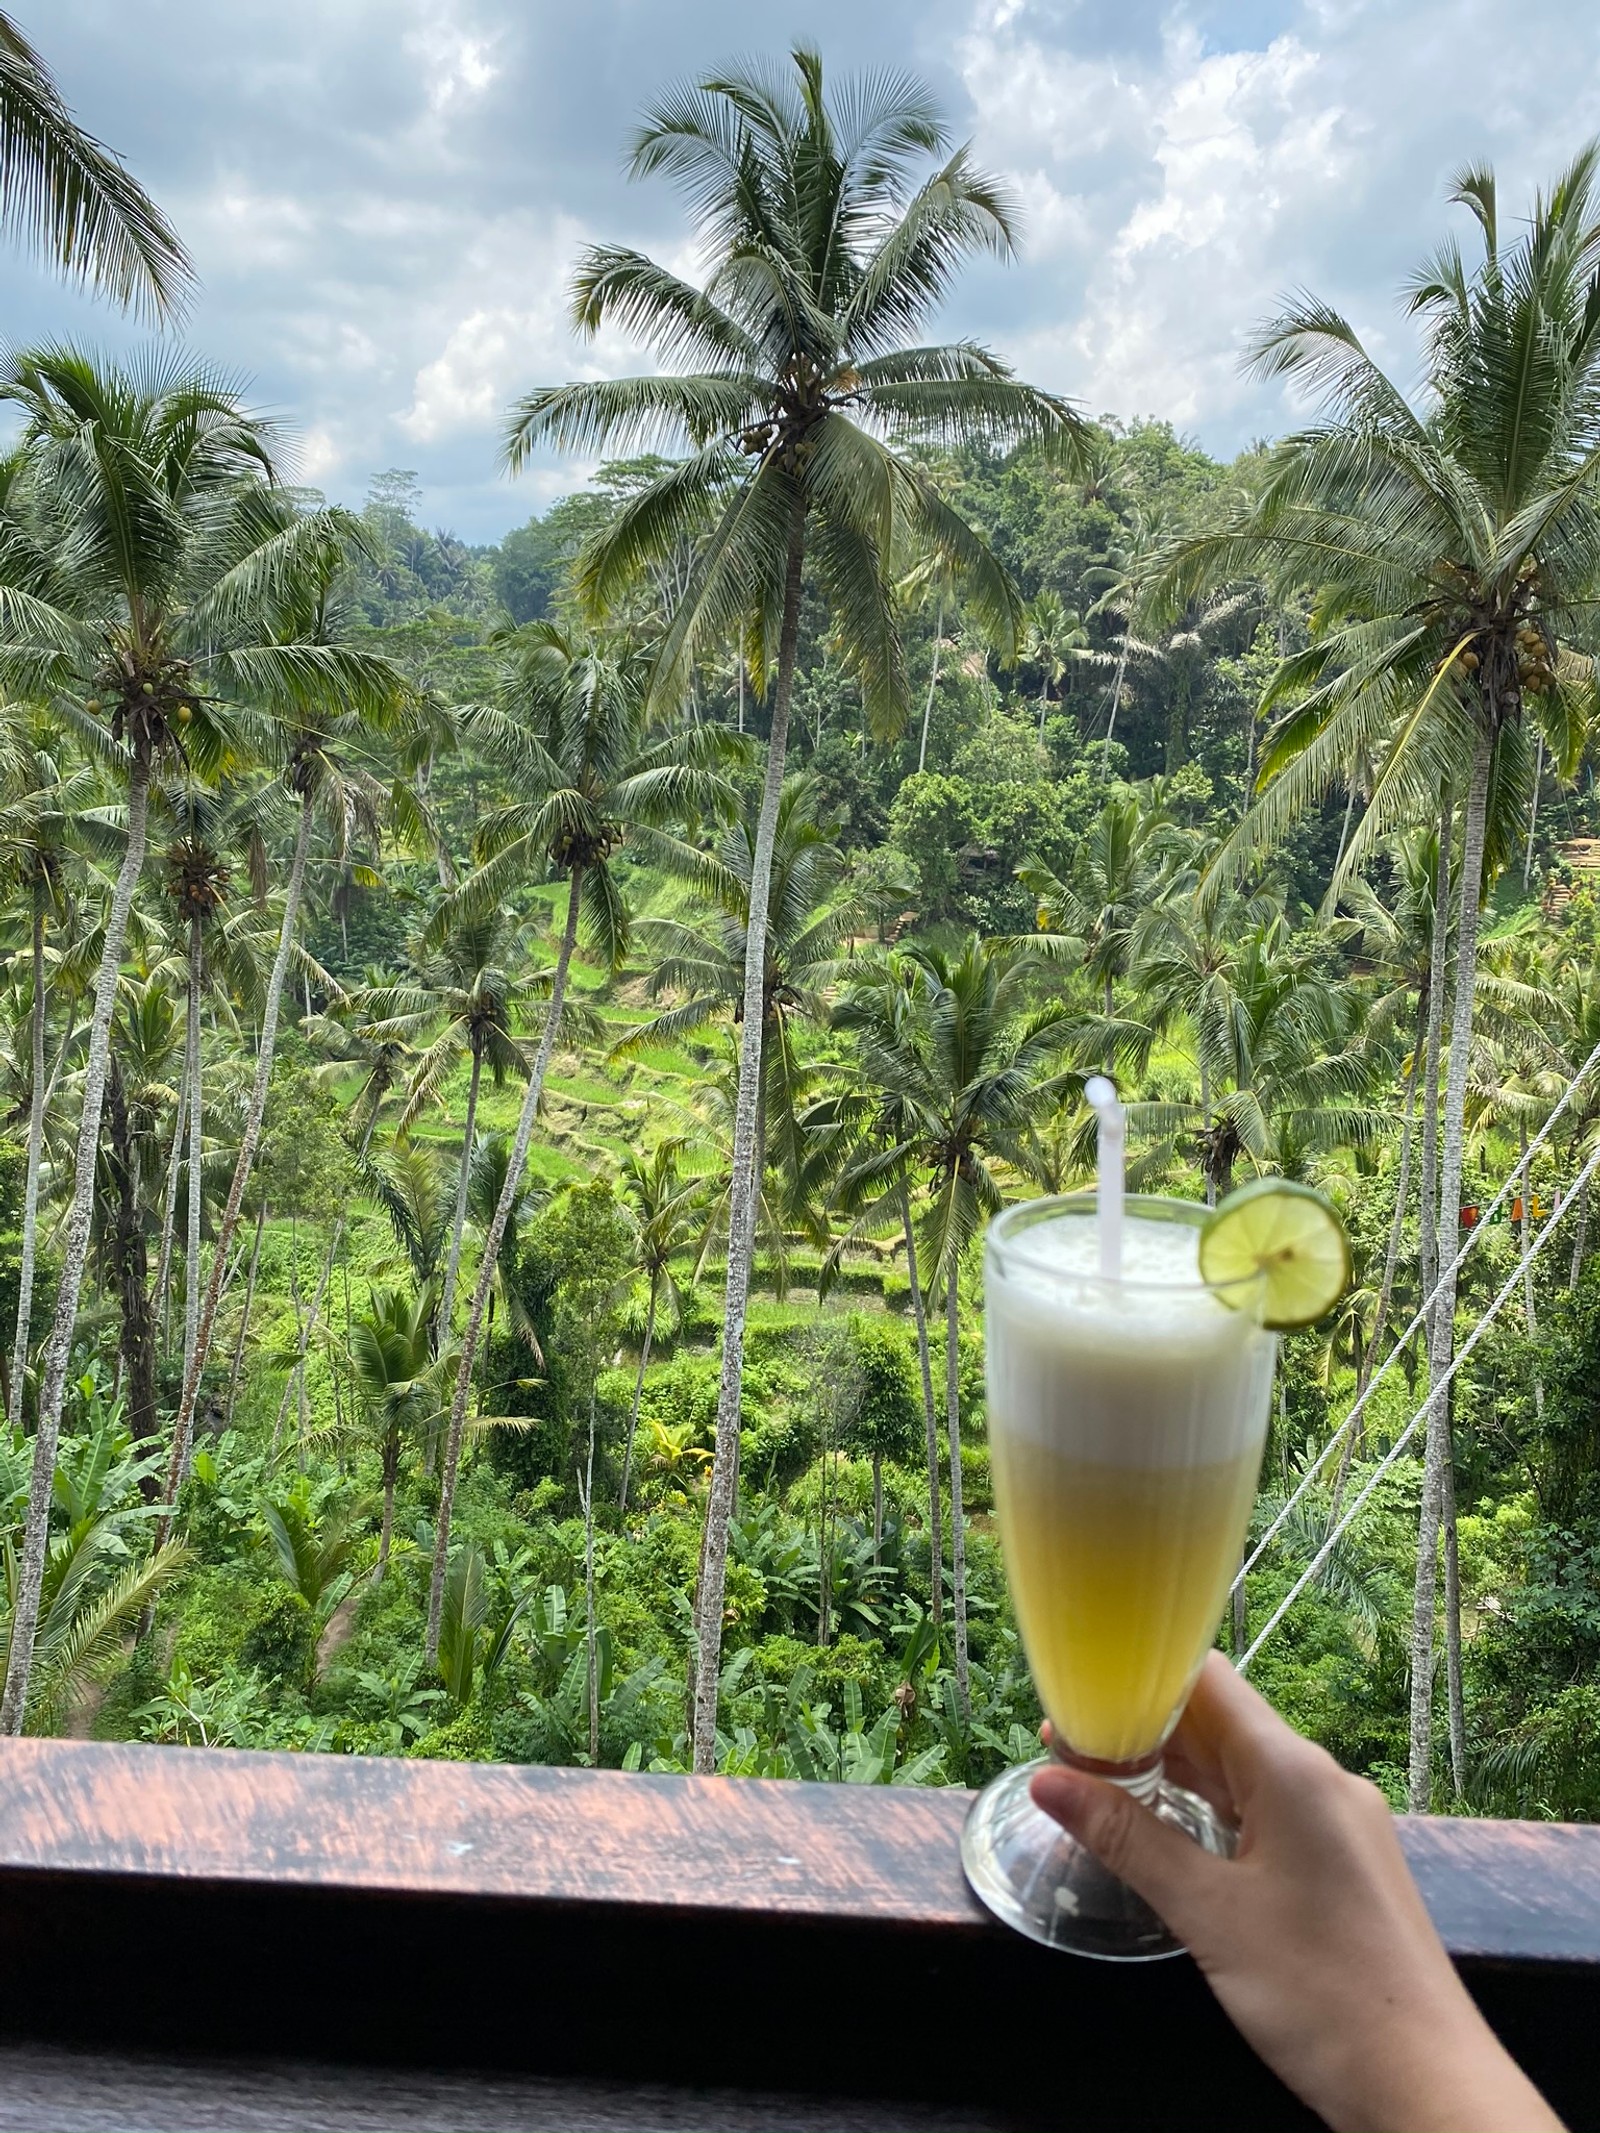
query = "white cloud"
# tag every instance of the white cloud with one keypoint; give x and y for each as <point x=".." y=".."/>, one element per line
<point x="317" y="455"/>
<point x="385" y="197"/>
<point x="1178" y="194"/>
<point x="499" y="326"/>
<point x="467" y="383"/>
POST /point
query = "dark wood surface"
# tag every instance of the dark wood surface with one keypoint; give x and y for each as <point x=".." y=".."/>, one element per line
<point x="1509" y="1891"/>
<point x="566" y="1926"/>
<point x="52" y="2089"/>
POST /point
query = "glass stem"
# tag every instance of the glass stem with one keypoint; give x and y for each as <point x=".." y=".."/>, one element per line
<point x="1141" y="1779"/>
<point x="1143" y="1785"/>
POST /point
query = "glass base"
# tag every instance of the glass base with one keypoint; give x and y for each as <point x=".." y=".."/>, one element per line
<point x="1043" y="1883"/>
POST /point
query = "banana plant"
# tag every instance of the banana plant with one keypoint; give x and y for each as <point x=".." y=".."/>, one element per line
<point x="404" y="1712"/>
<point x="313" y="1550"/>
<point x="97" y="1580"/>
<point x="562" y="1716"/>
<point x="854" y="1753"/>
<point x="474" y="1635"/>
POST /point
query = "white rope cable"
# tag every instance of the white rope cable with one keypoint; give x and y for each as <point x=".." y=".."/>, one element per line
<point x="1524" y="1162"/>
<point x="1435" y="1393"/>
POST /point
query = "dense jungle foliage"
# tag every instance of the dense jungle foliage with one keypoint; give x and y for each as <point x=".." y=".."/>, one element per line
<point x="325" y="835"/>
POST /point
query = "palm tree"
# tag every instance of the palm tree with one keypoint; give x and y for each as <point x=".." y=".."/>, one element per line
<point x="1130" y="571"/>
<point x="1055" y="633"/>
<point x="960" y="1078"/>
<point x="96" y="1579"/>
<point x="490" y="1168"/>
<point x="467" y="992"/>
<point x="928" y="578"/>
<point x="1177" y="661"/>
<point x="663" y="1202"/>
<point x="1277" y="1039"/>
<point x="570" y="729"/>
<point x="1397" y="943"/>
<point x="208" y="825"/>
<point x="1119" y="871"/>
<point x="885" y="1007"/>
<point x="1571" y="1017"/>
<point x="42" y="823"/>
<point x="1451" y="552"/>
<point x="399" y="1385"/>
<point x="408" y="1183"/>
<point x="810" y="915"/>
<point x="1179" y="952"/>
<point x="384" y="1064"/>
<point x="146" y="564"/>
<point x="144" y="1046"/>
<point x="321" y="701"/>
<point x="66" y="196"/>
<point x="825" y="256"/>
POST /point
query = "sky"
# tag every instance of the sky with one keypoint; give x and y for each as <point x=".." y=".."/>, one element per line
<point x="385" y="198"/>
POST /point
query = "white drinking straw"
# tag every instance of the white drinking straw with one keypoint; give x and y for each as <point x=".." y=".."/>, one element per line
<point x="1100" y="1093"/>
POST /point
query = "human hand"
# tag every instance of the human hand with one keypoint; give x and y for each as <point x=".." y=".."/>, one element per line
<point x="1314" y="1937"/>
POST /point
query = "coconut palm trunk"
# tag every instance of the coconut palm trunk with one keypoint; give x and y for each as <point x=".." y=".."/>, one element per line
<point x="129" y="1264"/>
<point x="453" y="1266"/>
<point x="958" y="1541"/>
<point x="192" y="1086"/>
<point x="933" y="685"/>
<point x="1402" y="1198"/>
<point x="1391" y="1266"/>
<point x="1436" y="1483"/>
<point x="58" y="1349"/>
<point x="249" y="1306"/>
<point x="1438" y="986"/>
<point x="638" y="1391"/>
<point x="391" y="1474"/>
<point x="30" y="1192"/>
<point x="1455" y="1704"/>
<point x="313" y="1318"/>
<point x="1533" y="813"/>
<point x="745" y="1184"/>
<point x="1345" y="826"/>
<point x="484" y="1286"/>
<point x="169" y="1210"/>
<point x="919" y="1312"/>
<point x="1530" y="1308"/>
<point x="1116" y="700"/>
<point x="1582" y="1237"/>
<point x="591" y="1625"/>
<point x="300" y="1334"/>
<point x="183" y="1430"/>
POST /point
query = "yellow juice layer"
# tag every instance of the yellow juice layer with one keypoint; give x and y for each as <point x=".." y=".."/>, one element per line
<point x="1119" y="1574"/>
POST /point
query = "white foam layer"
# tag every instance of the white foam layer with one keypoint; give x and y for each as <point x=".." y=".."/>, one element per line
<point x="1151" y="1371"/>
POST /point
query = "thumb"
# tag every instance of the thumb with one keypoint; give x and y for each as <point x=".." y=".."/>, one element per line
<point x="1158" y="1862"/>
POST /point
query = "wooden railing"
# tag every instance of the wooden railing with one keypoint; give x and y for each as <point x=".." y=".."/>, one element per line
<point x="787" y="1941"/>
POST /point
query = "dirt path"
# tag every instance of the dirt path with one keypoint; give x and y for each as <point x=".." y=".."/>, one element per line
<point x="340" y="1629"/>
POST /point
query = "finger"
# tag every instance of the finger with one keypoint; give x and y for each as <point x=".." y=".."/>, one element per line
<point x="1159" y="1863"/>
<point x="1230" y="1730"/>
<point x="1199" y="1773"/>
<point x="1202" y="1730"/>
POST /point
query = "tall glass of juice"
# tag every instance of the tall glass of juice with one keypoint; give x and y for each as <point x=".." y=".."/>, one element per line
<point x="1127" y="1415"/>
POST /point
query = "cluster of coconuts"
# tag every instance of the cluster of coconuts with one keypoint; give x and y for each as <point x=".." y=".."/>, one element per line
<point x="573" y="847"/>
<point x="199" y="880"/>
<point x="156" y="705"/>
<point x="1536" y="672"/>
<point x="1535" y="661"/>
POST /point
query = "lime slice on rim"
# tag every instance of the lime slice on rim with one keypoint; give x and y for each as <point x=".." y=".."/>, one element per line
<point x="1287" y="1232"/>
